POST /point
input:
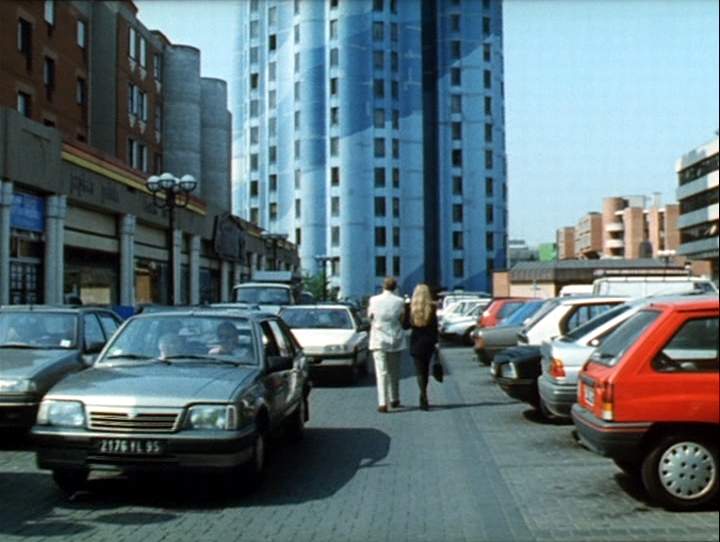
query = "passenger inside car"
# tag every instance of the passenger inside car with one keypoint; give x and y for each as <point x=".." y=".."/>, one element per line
<point x="170" y="345"/>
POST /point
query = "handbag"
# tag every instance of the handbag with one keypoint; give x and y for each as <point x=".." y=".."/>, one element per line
<point x="437" y="368"/>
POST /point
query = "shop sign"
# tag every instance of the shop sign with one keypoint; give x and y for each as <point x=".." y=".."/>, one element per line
<point x="27" y="212"/>
<point x="229" y="239"/>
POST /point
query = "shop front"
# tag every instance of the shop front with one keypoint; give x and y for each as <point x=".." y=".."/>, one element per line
<point x="27" y="223"/>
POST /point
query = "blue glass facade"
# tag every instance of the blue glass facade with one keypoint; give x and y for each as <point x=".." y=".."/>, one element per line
<point x="346" y="137"/>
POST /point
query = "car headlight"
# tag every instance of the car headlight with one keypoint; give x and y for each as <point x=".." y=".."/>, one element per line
<point x="338" y="349"/>
<point x="17" y="385"/>
<point x="213" y="417"/>
<point x="508" y="370"/>
<point x="61" y="413"/>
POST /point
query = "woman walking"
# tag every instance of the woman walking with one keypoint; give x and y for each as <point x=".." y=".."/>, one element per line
<point x="423" y="337"/>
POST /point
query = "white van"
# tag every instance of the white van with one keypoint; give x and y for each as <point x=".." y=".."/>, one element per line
<point x="643" y="286"/>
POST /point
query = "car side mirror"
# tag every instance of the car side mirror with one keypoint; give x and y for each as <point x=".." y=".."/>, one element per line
<point x="93" y="347"/>
<point x="279" y="363"/>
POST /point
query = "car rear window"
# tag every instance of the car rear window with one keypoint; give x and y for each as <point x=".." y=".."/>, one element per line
<point x="540" y="314"/>
<point x="582" y="330"/>
<point x="623" y="337"/>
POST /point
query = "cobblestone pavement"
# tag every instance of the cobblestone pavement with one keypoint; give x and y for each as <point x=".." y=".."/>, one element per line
<point x="478" y="466"/>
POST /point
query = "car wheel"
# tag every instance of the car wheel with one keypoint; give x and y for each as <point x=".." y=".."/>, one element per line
<point x="544" y="410"/>
<point x="254" y="470"/>
<point x="353" y="374"/>
<point x="364" y="366"/>
<point x="681" y="471"/>
<point x="482" y="357"/>
<point x="70" y="481"/>
<point x="467" y="339"/>
<point x="296" y="423"/>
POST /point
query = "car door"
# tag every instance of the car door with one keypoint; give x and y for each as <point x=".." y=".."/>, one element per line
<point x="289" y="376"/>
<point x="275" y="381"/>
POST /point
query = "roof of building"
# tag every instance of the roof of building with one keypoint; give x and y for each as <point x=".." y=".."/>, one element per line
<point x="589" y="270"/>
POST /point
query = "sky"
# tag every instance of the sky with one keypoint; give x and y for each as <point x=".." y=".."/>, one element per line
<point x="601" y="96"/>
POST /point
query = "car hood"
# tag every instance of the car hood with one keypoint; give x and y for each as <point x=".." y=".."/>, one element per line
<point x="309" y="338"/>
<point x="29" y="363"/>
<point x="154" y="385"/>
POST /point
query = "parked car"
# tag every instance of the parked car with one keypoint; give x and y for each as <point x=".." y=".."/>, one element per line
<point x="459" y="309"/>
<point x="513" y="370"/>
<point x="39" y="345"/>
<point x="331" y="336"/>
<point x="186" y="391"/>
<point x="450" y="298"/>
<point x="499" y="309"/>
<point x="459" y="326"/>
<point x="490" y="341"/>
<point x="649" y="398"/>
<point x="642" y="286"/>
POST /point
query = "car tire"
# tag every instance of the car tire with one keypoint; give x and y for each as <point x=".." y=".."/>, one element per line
<point x="482" y="357"/>
<point x="364" y="366"/>
<point x="254" y="470"/>
<point x="296" y="423"/>
<point x="681" y="471"/>
<point x="466" y="338"/>
<point x="353" y="373"/>
<point x="544" y="410"/>
<point x="70" y="481"/>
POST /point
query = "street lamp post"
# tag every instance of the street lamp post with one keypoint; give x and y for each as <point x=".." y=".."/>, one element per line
<point x="169" y="193"/>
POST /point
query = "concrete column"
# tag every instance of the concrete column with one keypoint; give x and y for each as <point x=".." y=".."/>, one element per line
<point x="127" y="260"/>
<point x="225" y="288"/>
<point x="194" y="269"/>
<point x="177" y="255"/>
<point x="55" y="212"/>
<point x="236" y="273"/>
<point x="6" y="197"/>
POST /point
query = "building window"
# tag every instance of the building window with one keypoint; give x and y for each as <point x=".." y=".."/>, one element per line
<point x="49" y="77"/>
<point x="81" y="36"/>
<point x="272" y="42"/>
<point x="296" y="63"/>
<point x="455" y="77"/>
<point x="378" y="60"/>
<point x="254" y="81"/>
<point x="272" y="127"/>
<point x="335" y="176"/>
<point x="24" y="41"/>
<point x="297" y="208"/>
<point x="334" y="116"/>
<point x="334" y="86"/>
<point x="130" y="152"/>
<point x="143" y="51"/>
<point x="396" y="119"/>
<point x="272" y="211"/>
<point x="457" y="240"/>
<point x="254" y="135"/>
<point x="132" y="44"/>
<point x="486" y="52"/>
<point x="457" y="187"/>
<point x="396" y="207"/>
<point x="272" y="71"/>
<point x="489" y="214"/>
<point x="393" y="6"/>
<point x="488" y="159"/>
<point x="379" y="118"/>
<point x="486" y="26"/>
<point x="142" y="105"/>
<point x="296" y="121"/>
<point x="272" y="154"/>
<point x="455" y="50"/>
<point x="254" y="108"/>
<point x="396" y="236"/>
<point x="455" y="23"/>
<point x="255" y="215"/>
<point x="297" y="149"/>
<point x="157" y="66"/>
<point x="396" y="148"/>
<point x="296" y="7"/>
<point x="298" y="236"/>
<point x="335" y="206"/>
<point x="335" y="236"/>
<point x="378" y="31"/>
<point x="379" y="206"/>
<point x="490" y="265"/>
<point x="396" y="177"/>
<point x="458" y="267"/>
<point x="380" y="240"/>
<point x="254" y="54"/>
<point x="333" y="29"/>
<point x="457" y="213"/>
<point x="334" y="146"/>
<point x="254" y="29"/>
<point x="488" y="105"/>
<point x="296" y="33"/>
<point x="272" y="16"/>
<point x="488" y="187"/>
<point x="298" y="177"/>
<point x="489" y="241"/>
<point x="272" y="99"/>
<point x="487" y="79"/>
<point x="457" y="130"/>
<point x="334" y="56"/>
<point x="334" y="4"/>
<point x="457" y="158"/>
<point x="394" y="89"/>
<point x="396" y="265"/>
<point x="379" y="147"/>
<point x="49" y="12"/>
<point x="488" y="133"/>
<point x="393" y="31"/>
<point x="380" y="269"/>
<point x="379" y="177"/>
<point x="394" y="61"/>
<point x="24" y="104"/>
<point x="254" y="162"/>
<point x="455" y="103"/>
<point x="378" y="5"/>
<point x="296" y="91"/>
<point x="81" y="93"/>
<point x="379" y="88"/>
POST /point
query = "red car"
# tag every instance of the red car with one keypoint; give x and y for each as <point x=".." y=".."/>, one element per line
<point x="649" y="398"/>
<point x="499" y="309"/>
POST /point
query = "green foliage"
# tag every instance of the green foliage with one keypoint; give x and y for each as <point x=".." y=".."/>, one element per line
<point x="314" y="284"/>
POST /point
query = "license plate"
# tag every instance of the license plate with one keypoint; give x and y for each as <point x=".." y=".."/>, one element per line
<point x="117" y="446"/>
<point x="589" y="394"/>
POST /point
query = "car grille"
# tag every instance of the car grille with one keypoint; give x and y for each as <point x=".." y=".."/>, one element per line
<point x="131" y="421"/>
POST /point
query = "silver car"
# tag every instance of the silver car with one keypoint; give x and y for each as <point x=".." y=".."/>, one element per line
<point x="39" y="345"/>
<point x="191" y="391"/>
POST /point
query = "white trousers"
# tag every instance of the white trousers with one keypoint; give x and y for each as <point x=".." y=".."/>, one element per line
<point x="387" y="376"/>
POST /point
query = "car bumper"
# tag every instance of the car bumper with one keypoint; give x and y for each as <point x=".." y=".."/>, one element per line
<point x="204" y="450"/>
<point x="558" y="398"/>
<point x="18" y="413"/>
<point x="610" y="439"/>
<point x="522" y="389"/>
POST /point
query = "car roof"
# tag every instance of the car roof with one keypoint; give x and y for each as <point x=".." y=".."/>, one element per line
<point x="585" y="299"/>
<point x="687" y="303"/>
<point x="319" y="306"/>
<point x="254" y="315"/>
<point x="53" y="308"/>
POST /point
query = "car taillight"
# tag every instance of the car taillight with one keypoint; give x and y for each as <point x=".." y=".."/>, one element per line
<point x="607" y="396"/>
<point x="557" y="370"/>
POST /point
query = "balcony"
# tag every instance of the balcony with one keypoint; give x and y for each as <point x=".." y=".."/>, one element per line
<point x="615" y="227"/>
<point x="615" y="243"/>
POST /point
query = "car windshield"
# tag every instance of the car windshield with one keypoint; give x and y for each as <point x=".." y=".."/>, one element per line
<point x="173" y="338"/>
<point x="263" y="295"/>
<point x="623" y="337"/>
<point x="522" y="314"/>
<point x="582" y="330"/>
<point x="317" y="318"/>
<point x="36" y="329"/>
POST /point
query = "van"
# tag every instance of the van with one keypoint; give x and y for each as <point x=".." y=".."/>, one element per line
<point x="643" y="286"/>
<point x="649" y="398"/>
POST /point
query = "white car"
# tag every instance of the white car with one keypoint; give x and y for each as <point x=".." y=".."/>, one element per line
<point x="331" y="336"/>
<point x="458" y="328"/>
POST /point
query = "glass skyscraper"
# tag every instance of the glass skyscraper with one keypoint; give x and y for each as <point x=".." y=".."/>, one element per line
<point x="371" y="132"/>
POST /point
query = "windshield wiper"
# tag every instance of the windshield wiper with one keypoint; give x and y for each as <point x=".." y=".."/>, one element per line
<point x="18" y="345"/>
<point x="196" y="357"/>
<point x="128" y="356"/>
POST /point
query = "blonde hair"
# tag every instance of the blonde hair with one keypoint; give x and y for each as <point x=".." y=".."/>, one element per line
<point x="421" y="306"/>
